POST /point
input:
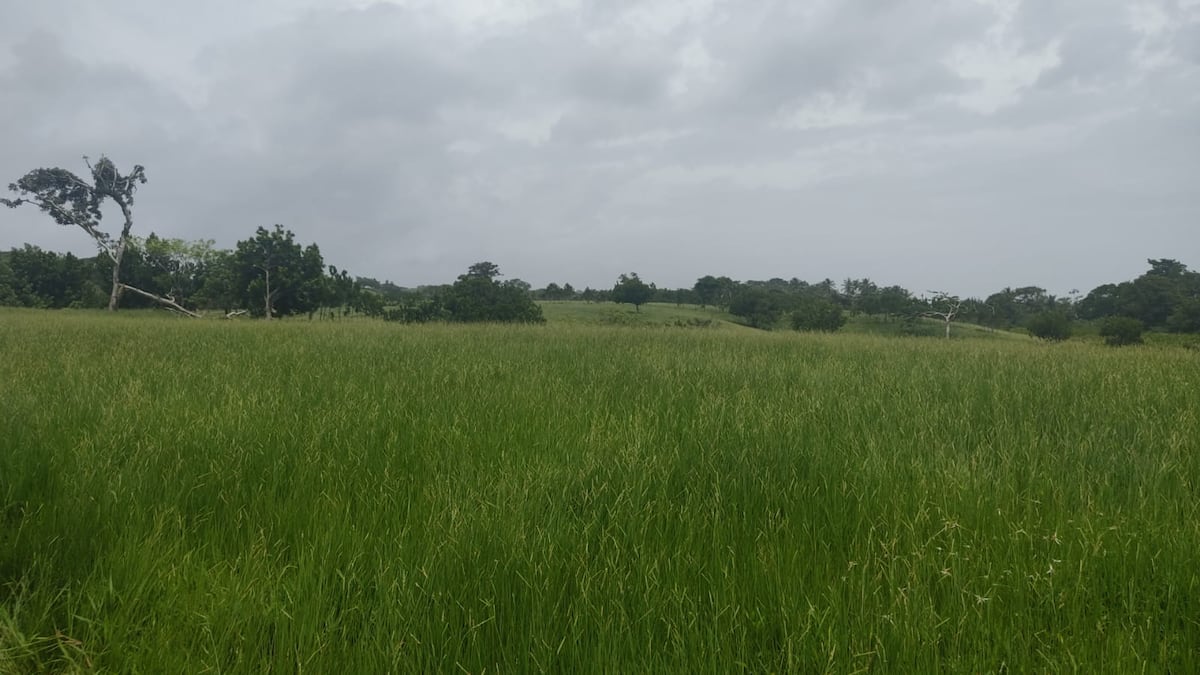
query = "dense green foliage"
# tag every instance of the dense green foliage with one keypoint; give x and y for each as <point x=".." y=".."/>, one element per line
<point x="367" y="497"/>
<point x="632" y="290"/>
<point x="1185" y="317"/>
<point x="1121" y="330"/>
<point x="710" y="290"/>
<point x="1050" y="325"/>
<point x="757" y="307"/>
<point x="553" y="291"/>
<point x="32" y="277"/>
<point x="275" y="276"/>
<point x="817" y="314"/>
<point x="477" y="296"/>
<point x="1167" y="290"/>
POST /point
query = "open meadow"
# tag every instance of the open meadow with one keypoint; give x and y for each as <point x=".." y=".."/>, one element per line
<point x="294" y="496"/>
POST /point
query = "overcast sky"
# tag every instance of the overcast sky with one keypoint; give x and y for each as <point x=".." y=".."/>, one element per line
<point x="959" y="145"/>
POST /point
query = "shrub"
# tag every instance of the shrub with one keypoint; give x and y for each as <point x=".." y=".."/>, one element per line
<point x="695" y="322"/>
<point x="1121" y="330"/>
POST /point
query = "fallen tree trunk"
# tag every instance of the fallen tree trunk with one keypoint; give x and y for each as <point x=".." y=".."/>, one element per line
<point x="161" y="300"/>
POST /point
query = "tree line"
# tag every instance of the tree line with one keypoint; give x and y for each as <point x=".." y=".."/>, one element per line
<point x="267" y="275"/>
<point x="1166" y="297"/>
<point x="270" y="275"/>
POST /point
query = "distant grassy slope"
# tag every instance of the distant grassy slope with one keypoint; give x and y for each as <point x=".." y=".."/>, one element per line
<point x="651" y="314"/>
<point x="871" y="325"/>
<point x="666" y="314"/>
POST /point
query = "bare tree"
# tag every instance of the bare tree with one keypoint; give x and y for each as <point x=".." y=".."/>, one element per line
<point x="72" y="201"/>
<point x="950" y="306"/>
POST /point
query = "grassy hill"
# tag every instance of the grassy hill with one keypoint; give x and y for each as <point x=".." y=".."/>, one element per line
<point x="924" y="327"/>
<point x="651" y="314"/>
<point x="693" y="316"/>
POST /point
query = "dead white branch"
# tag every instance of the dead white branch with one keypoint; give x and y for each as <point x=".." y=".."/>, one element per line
<point x="160" y="300"/>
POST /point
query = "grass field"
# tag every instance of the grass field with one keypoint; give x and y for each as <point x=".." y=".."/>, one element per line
<point x="211" y="496"/>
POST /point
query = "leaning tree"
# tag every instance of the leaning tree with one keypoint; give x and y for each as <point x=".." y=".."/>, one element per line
<point x="72" y="201"/>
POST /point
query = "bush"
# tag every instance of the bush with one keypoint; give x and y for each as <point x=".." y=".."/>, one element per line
<point x="817" y="314"/>
<point x="695" y="322"/>
<point x="1054" y="326"/>
<point x="1121" y="330"/>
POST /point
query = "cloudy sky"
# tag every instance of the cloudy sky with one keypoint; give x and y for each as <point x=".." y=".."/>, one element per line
<point x="960" y="145"/>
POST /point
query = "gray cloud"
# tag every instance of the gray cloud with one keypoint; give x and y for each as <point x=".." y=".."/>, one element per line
<point x="964" y="145"/>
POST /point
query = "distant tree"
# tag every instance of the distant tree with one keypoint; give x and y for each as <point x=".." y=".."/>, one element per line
<point x="861" y="295"/>
<point x="73" y="201"/>
<point x="1053" y="325"/>
<point x="553" y="291"/>
<point x="220" y="288"/>
<point x="342" y="291"/>
<point x="816" y="314"/>
<point x="678" y="296"/>
<point x="177" y="266"/>
<point x="707" y="289"/>
<point x="894" y="301"/>
<point x="1014" y="306"/>
<point x="1150" y="298"/>
<point x="483" y="270"/>
<point x="826" y="288"/>
<point x="518" y="284"/>
<point x="276" y="276"/>
<point x="476" y="296"/>
<point x="1166" y="267"/>
<point x="369" y="301"/>
<point x="1121" y="330"/>
<point x="41" y="278"/>
<point x="716" y="291"/>
<point x="757" y="307"/>
<point x="1102" y="301"/>
<point x="945" y="307"/>
<point x="728" y="287"/>
<point x="632" y="290"/>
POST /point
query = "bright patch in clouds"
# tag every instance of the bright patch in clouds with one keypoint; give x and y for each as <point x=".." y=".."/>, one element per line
<point x="829" y="111"/>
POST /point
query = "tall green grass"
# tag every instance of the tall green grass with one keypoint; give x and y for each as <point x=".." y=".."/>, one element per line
<point x="180" y="496"/>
